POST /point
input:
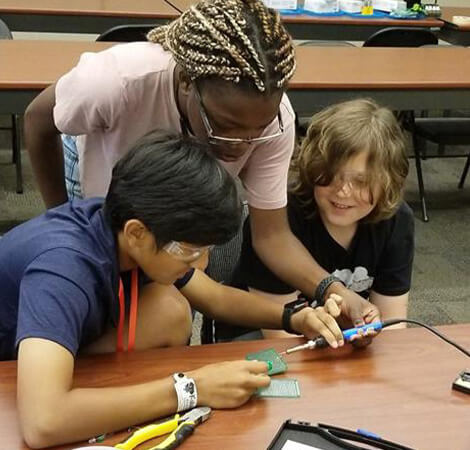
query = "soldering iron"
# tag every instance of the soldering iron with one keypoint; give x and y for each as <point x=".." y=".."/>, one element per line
<point x="349" y="334"/>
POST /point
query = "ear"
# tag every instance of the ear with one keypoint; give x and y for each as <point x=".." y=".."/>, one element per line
<point x="136" y="233"/>
<point x="184" y="82"/>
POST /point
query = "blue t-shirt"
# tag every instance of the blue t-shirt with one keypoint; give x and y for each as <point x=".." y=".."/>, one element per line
<point x="59" y="278"/>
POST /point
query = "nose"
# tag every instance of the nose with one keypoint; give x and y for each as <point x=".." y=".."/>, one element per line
<point x="344" y="189"/>
<point x="242" y="148"/>
<point x="202" y="262"/>
<point x="233" y="151"/>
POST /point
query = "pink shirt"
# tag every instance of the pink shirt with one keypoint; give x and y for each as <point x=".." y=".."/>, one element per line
<point x="114" y="97"/>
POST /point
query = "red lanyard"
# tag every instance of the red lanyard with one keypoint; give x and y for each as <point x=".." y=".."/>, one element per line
<point x="132" y="314"/>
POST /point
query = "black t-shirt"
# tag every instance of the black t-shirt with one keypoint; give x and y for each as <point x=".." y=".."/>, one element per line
<point x="380" y="256"/>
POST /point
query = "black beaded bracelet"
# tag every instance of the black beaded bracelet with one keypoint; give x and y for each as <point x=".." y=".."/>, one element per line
<point x="322" y="287"/>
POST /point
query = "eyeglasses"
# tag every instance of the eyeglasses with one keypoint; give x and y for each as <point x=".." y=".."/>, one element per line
<point x="217" y="140"/>
<point x="184" y="252"/>
<point x="354" y="181"/>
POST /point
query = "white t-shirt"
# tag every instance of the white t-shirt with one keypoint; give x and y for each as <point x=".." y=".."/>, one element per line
<point x="114" y="97"/>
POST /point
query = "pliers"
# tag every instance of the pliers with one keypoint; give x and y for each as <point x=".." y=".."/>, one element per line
<point x="180" y="428"/>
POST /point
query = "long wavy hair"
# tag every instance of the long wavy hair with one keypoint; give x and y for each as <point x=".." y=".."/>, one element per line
<point x="339" y="133"/>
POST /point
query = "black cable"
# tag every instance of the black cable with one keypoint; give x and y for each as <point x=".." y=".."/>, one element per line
<point x="174" y="6"/>
<point x="387" y="323"/>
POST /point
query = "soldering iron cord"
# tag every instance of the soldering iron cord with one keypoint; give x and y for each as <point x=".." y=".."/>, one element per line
<point x="387" y="323"/>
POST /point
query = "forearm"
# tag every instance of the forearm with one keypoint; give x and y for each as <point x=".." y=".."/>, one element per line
<point x="45" y="153"/>
<point x="286" y="257"/>
<point x="52" y="412"/>
<point x="240" y="308"/>
<point x="49" y="174"/>
<point x="81" y="413"/>
<point x="45" y="148"/>
<point x="391" y="307"/>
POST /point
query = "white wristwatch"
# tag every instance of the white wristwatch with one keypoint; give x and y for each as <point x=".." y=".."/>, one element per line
<point x="186" y="391"/>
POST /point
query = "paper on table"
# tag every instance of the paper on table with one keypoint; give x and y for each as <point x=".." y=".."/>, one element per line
<point x="291" y="445"/>
<point x="461" y="20"/>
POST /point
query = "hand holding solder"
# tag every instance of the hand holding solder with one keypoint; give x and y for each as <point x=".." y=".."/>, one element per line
<point x="375" y="327"/>
<point x="311" y="322"/>
<point x="356" y="311"/>
<point x="350" y="335"/>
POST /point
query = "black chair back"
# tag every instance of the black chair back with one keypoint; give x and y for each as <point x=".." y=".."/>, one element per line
<point x="126" y="33"/>
<point x="325" y="43"/>
<point x="401" y="37"/>
<point x="4" y="31"/>
<point x="5" y="34"/>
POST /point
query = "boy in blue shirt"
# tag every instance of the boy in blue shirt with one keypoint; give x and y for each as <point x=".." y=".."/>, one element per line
<point x="62" y="295"/>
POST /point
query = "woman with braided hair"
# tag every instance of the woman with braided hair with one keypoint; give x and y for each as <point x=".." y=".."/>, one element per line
<point x="218" y="72"/>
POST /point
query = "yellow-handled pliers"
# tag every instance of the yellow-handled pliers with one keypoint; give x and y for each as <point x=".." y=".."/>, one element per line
<point x="180" y="428"/>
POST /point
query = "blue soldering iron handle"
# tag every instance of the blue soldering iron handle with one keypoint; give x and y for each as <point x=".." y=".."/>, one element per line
<point x="348" y="334"/>
<point x="320" y="341"/>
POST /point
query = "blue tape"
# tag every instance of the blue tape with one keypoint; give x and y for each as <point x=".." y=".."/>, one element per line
<point x="368" y="433"/>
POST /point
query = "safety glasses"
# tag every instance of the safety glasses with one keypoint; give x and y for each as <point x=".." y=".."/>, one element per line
<point x="184" y="252"/>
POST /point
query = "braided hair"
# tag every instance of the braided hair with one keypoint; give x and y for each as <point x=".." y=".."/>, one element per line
<point x="240" y="41"/>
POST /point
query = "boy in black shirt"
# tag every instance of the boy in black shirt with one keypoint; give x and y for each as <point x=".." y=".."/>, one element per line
<point x="346" y="208"/>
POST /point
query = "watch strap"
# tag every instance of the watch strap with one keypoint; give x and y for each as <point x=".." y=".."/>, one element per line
<point x="186" y="391"/>
<point x="289" y="310"/>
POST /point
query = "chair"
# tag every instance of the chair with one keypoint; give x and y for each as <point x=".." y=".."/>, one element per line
<point x="15" y="126"/>
<point x="126" y="33"/>
<point x="222" y="264"/>
<point x="407" y="37"/>
<point x="442" y="131"/>
<point x="326" y="43"/>
<point x="445" y="112"/>
<point x="401" y="37"/>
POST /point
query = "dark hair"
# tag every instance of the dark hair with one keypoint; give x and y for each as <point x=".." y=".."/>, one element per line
<point x="177" y="189"/>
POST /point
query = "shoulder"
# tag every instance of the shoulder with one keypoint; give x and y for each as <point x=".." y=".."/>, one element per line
<point x="403" y="219"/>
<point x="131" y="57"/>
<point x="399" y="228"/>
<point x="281" y="148"/>
<point x="136" y="59"/>
<point x="404" y="212"/>
<point x="81" y="229"/>
<point x="296" y="206"/>
<point x="403" y="215"/>
<point x="286" y="110"/>
<point x="110" y="69"/>
<point x="76" y="228"/>
<point x="303" y="221"/>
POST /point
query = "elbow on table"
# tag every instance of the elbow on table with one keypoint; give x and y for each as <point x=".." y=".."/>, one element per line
<point x="41" y="431"/>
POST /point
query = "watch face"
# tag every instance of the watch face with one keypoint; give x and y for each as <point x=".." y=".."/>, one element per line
<point x="298" y="304"/>
<point x="189" y="387"/>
